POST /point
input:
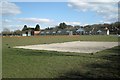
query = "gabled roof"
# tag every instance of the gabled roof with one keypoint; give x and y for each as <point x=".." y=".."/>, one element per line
<point x="99" y="31"/>
<point x="80" y="30"/>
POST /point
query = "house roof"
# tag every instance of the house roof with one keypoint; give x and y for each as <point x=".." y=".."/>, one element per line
<point x="80" y="30"/>
<point x="99" y="31"/>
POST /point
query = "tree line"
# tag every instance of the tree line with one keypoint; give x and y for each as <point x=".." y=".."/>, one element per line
<point x="113" y="27"/>
<point x="6" y="31"/>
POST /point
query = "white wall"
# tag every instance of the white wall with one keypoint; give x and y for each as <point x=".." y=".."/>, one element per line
<point x="24" y="34"/>
<point x="29" y="33"/>
<point x="108" y="32"/>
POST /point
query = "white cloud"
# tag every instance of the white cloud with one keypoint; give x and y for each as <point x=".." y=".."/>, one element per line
<point x="6" y="21"/>
<point x="9" y="8"/>
<point x="105" y="22"/>
<point x="85" y="24"/>
<point x="95" y="0"/>
<point x="39" y="0"/>
<point x="13" y="27"/>
<point x="107" y="9"/>
<point x="35" y="20"/>
<point x="68" y="23"/>
<point x="73" y="23"/>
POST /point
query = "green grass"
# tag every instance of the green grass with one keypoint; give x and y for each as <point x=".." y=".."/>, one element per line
<point x="21" y="63"/>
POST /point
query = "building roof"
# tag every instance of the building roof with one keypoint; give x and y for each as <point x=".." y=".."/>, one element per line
<point x="99" y="31"/>
<point x="80" y="30"/>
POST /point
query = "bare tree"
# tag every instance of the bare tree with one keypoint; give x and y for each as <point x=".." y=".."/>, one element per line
<point x="6" y="31"/>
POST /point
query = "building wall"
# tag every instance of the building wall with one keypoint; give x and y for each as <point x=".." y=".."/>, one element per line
<point x="108" y="32"/>
<point x="36" y="32"/>
<point x="29" y="34"/>
<point x="23" y="34"/>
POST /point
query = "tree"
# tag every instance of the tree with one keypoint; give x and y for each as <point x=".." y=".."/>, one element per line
<point x="37" y="28"/>
<point x="6" y="31"/>
<point x="17" y="32"/>
<point x="77" y="27"/>
<point x="62" y="26"/>
<point x="24" y="28"/>
<point x="47" y="28"/>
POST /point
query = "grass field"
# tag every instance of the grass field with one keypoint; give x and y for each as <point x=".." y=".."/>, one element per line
<point x="21" y="63"/>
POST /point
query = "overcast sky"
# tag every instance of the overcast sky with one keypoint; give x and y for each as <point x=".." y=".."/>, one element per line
<point x="49" y="14"/>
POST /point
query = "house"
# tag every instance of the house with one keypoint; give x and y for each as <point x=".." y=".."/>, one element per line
<point x="27" y="31"/>
<point x="80" y="31"/>
<point x="93" y="31"/>
<point x="58" y="32"/>
<point x="66" y="31"/>
<point x="36" y="32"/>
<point x="99" y="31"/>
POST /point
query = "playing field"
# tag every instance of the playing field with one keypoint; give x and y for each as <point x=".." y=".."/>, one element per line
<point x="23" y="63"/>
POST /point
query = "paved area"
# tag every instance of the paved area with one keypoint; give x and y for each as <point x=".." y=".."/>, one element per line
<point x="76" y="46"/>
